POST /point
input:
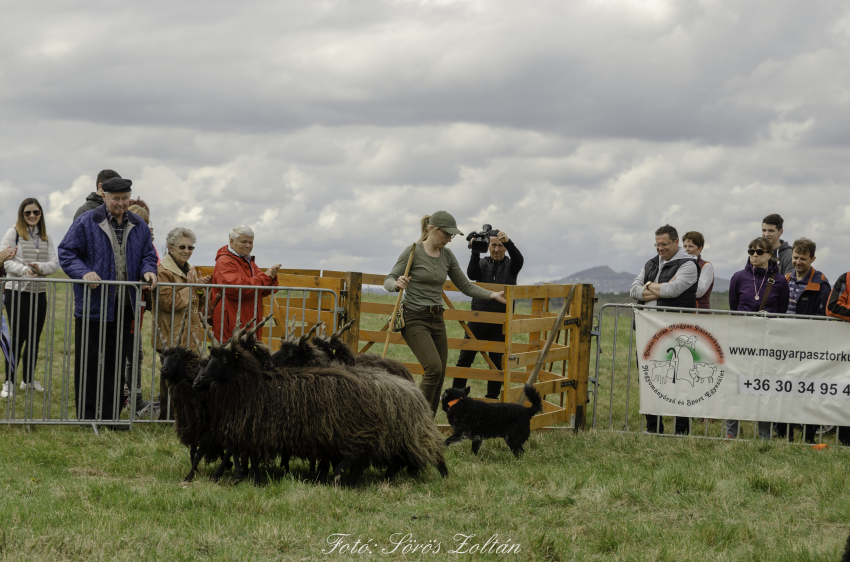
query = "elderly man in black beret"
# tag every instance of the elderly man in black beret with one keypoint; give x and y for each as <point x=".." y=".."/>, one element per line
<point x="108" y="243"/>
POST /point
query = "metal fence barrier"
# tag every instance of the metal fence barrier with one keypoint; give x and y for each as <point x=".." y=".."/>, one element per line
<point x="619" y="410"/>
<point x="52" y="336"/>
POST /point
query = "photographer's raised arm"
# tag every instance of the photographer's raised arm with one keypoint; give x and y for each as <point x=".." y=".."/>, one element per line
<point x="517" y="261"/>
<point x="473" y="270"/>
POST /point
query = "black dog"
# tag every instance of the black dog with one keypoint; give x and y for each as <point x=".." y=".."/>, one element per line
<point x="477" y="420"/>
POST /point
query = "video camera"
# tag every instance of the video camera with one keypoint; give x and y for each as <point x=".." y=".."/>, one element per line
<point x="479" y="242"/>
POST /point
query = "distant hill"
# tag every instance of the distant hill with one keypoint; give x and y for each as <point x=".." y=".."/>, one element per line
<point x="606" y="280"/>
<point x="603" y="278"/>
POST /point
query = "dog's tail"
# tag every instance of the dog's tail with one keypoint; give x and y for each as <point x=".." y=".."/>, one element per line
<point x="533" y="397"/>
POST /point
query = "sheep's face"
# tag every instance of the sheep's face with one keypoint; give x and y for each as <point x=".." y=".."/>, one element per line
<point x="340" y="351"/>
<point x="324" y="346"/>
<point x="218" y="367"/>
<point x="174" y="363"/>
<point x="452" y="394"/>
<point x="257" y="348"/>
<point x="295" y="354"/>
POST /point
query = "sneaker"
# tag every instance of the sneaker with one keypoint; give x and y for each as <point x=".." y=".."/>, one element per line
<point x="34" y="385"/>
<point x="146" y="409"/>
<point x="7" y="390"/>
<point x="142" y="407"/>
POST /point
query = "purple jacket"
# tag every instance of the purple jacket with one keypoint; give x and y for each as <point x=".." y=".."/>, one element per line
<point x="86" y="247"/>
<point x="742" y="289"/>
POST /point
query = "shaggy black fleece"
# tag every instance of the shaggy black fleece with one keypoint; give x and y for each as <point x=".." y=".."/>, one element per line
<point x="846" y="556"/>
<point x="477" y="420"/>
<point x="179" y="368"/>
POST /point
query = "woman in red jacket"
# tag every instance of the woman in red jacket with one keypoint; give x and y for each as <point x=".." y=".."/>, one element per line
<point x="234" y="265"/>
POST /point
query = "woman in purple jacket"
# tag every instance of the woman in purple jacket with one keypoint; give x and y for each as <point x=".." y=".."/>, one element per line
<point x="751" y="290"/>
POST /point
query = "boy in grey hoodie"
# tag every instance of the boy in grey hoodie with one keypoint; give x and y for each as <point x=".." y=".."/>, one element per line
<point x="95" y="198"/>
<point x="771" y="228"/>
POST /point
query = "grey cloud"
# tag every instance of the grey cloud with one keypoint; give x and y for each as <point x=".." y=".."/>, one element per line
<point x="332" y="128"/>
<point x="570" y="68"/>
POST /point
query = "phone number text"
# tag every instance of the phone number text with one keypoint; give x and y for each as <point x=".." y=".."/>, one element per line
<point x="793" y="387"/>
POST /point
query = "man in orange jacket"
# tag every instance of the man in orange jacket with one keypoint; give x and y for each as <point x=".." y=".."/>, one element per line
<point x="234" y="265"/>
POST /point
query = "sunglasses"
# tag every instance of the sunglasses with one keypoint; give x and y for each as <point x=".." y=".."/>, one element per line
<point x="33" y="213"/>
<point x="756" y="251"/>
<point x="191" y="248"/>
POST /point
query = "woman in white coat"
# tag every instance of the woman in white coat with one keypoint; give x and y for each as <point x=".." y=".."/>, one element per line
<point x="24" y="298"/>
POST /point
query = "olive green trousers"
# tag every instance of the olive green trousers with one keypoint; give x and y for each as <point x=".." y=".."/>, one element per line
<point x="425" y="334"/>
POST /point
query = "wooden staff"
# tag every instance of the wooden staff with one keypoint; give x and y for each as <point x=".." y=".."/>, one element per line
<point x="398" y="301"/>
<point x="532" y="378"/>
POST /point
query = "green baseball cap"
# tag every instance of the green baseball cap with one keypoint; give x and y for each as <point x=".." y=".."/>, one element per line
<point x="441" y="219"/>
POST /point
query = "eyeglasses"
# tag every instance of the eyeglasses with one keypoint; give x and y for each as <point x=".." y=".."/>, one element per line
<point x="191" y="248"/>
<point x="33" y="213"/>
<point x="662" y="246"/>
<point x="446" y="234"/>
<point x="756" y="251"/>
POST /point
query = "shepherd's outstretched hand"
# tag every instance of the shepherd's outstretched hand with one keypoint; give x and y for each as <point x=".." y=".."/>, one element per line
<point x="500" y="296"/>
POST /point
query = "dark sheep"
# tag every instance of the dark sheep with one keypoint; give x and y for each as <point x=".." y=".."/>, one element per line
<point x="191" y="419"/>
<point x="412" y="439"/>
<point x="180" y="366"/>
<point x="311" y="413"/>
<point x="339" y="352"/>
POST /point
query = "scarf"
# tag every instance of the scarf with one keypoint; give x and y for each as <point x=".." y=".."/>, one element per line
<point x="184" y="268"/>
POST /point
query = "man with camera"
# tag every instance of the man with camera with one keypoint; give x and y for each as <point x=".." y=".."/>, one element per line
<point x="495" y="268"/>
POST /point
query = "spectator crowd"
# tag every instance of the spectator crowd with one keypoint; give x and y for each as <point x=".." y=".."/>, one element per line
<point x="777" y="277"/>
<point x="109" y="247"/>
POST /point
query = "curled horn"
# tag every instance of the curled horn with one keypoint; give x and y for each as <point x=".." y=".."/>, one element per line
<point x="182" y="327"/>
<point x="162" y="343"/>
<point x="345" y="328"/>
<point x="306" y="336"/>
<point x="238" y="330"/>
<point x="239" y="333"/>
<point x="290" y="329"/>
<point x="259" y="325"/>
<point x="201" y="351"/>
<point x="207" y="326"/>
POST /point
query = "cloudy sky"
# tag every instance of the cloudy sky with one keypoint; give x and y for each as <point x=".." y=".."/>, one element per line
<point x="331" y="127"/>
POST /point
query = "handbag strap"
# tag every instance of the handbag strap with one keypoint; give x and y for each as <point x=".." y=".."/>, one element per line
<point x="770" y="281"/>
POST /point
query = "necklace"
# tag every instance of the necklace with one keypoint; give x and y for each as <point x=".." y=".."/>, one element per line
<point x="762" y="282"/>
<point x="34" y="234"/>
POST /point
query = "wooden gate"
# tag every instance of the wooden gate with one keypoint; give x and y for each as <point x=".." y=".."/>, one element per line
<point x="571" y="349"/>
<point x="563" y="389"/>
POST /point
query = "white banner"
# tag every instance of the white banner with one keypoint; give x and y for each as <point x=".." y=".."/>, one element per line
<point x="744" y="367"/>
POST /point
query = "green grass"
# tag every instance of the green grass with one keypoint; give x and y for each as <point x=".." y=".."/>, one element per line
<point x="70" y="495"/>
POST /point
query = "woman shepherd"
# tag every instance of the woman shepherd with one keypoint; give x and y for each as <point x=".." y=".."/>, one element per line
<point x="424" y="328"/>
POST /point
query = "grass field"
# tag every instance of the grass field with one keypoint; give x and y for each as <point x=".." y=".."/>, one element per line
<point x="596" y="495"/>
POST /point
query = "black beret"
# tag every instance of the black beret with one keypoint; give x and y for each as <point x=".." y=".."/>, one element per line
<point x="116" y="185"/>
